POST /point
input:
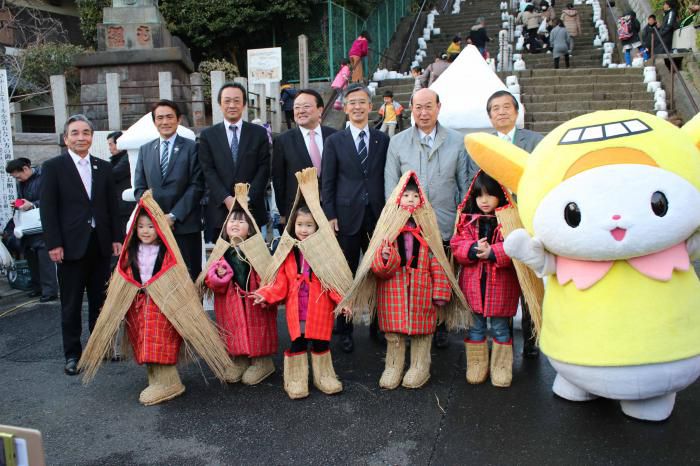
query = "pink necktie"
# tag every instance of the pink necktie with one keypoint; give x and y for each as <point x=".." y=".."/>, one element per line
<point x="314" y="152"/>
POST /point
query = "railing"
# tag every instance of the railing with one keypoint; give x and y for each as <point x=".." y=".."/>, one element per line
<point x="411" y="39"/>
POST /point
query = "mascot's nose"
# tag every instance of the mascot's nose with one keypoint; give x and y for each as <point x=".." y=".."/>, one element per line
<point x="616" y="217"/>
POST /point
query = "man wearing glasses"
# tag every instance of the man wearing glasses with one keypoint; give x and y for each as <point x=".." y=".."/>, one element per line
<point x="352" y="185"/>
<point x="298" y="148"/>
<point x="438" y="157"/>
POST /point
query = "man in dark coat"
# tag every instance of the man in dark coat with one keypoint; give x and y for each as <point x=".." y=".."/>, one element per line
<point x="78" y="214"/>
<point x="121" y="171"/>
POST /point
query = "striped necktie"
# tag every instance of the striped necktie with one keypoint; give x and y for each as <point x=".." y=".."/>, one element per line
<point x="164" y="158"/>
<point x="362" y="152"/>
<point x="234" y="144"/>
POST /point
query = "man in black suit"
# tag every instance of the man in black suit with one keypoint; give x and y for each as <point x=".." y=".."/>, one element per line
<point x="297" y="148"/>
<point x="169" y="167"/>
<point x="235" y="151"/>
<point x="79" y="215"/>
<point x="352" y="184"/>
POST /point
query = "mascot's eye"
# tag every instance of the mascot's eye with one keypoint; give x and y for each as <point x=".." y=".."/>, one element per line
<point x="659" y="204"/>
<point x="572" y="214"/>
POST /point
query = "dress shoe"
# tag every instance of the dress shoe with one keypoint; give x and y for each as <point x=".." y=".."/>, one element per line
<point x="48" y="299"/>
<point x="442" y="338"/>
<point x="346" y="343"/>
<point x="71" y="367"/>
<point x="530" y="350"/>
<point x="34" y="294"/>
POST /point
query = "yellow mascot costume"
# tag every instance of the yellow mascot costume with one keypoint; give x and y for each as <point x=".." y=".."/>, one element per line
<point x="609" y="202"/>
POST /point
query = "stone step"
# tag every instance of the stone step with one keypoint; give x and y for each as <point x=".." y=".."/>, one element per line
<point x="534" y="117"/>
<point x="587" y="105"/>
<point x="529" y="97"/>
<point x="580" y="79"/>
<point x="578" y="88"/>
<point x="536" y="73"/>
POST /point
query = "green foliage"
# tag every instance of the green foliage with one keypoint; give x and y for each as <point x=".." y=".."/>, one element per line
<point x="91" y="15"/>
<point x="38" y="62"/>
<point x="207" y="66"/>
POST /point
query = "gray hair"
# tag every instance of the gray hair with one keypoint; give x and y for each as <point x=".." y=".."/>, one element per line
<point x="356" y="88"/>
<point x="73" y="119"/>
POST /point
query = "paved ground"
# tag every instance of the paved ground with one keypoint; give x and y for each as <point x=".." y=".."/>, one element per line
<point x="447" y="422"/>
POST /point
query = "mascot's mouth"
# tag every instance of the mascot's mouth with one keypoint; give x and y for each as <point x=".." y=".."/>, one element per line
<point x="618" y="233"/>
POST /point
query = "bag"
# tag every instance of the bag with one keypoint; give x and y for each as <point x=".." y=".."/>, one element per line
<point x="338" y="104"/>
<point x="27" y="223"/>
<point x="543" y="27"/>
<point x="624" y="27"/>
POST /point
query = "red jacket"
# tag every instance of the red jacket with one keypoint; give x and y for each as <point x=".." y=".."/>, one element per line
<point x="359" y="48"/>
<point x="247" y="329"/>
<point x="502" y="287"/>
<point x="319" y="316"/>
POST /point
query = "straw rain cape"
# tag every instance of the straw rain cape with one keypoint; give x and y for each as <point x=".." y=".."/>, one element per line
<point x="172" y="291"/>
<point x="362" y="297"/>
<point x="254" y="247"/>
<point x="321" y="250"/>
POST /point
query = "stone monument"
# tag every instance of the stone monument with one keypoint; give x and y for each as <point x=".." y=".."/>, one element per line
<point x="134" y="42"/>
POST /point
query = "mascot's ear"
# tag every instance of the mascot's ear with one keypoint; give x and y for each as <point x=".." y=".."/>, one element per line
<point x="502" y="160"/>
<point x="693" y="129"/>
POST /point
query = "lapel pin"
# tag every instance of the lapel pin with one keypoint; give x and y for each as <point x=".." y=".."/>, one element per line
<point x="94" y="167"/>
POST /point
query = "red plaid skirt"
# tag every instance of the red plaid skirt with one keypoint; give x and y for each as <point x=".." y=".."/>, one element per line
<point x="153" y="338"/>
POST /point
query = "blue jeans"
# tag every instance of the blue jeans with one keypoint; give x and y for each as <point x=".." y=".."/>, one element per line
<point x="500" y="328"/>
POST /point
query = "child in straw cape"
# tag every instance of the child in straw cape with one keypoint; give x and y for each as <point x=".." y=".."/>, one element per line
<point x="488" y="280"/>
<point x="411" y="286"/>
<point x="309" y="310"/>
<point x="249" y="330"/>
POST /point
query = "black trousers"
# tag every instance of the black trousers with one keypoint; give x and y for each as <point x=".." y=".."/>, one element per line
<point x="302" y="344"/>
<point x="289" y="118"/>
<point x="90" y="272"/>
<point x="353" y="246"/>
<point x="41" y="267"/>
<point x="190" y="245"/>
<point x="528" y="338"/>
<point x="566" y="60"/>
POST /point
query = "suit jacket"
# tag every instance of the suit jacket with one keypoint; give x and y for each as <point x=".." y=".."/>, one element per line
<point x="253" y="167"/>
<point x="121" y="171"/>
<point x="182" y="188"/>
<point x="67" y="211"/>
<point x="345" y="190"/>
<point x="289" y="155"/>
<point x="527" y="140"/>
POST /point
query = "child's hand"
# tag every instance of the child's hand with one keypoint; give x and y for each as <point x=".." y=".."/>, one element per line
<point x="483" y="249"/>
<point x="220" y="271"/>
<point x="386" y="250"/>
<point x="258" y="299"/>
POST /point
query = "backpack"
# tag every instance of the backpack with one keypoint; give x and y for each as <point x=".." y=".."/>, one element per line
<point x="624" y="27"/>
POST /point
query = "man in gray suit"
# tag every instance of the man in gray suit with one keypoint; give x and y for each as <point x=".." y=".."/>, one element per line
<point x="438" y="157"/>
<point x="503" y="109"/>
<point x="169" y="167"/>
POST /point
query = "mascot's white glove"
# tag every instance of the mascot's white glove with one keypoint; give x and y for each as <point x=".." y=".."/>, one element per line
<point x="693" y="245"/>
<point x="530" y="251"/>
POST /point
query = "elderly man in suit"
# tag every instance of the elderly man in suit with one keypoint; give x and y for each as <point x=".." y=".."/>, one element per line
<point x="437" y="155"/>
<point x="79" y="215"/>
<point x="352" y="184"/>
<point x="235" y="151"/>
<point x="503" y="109"/>
<point x="169" y="167"/>
<point x="298" y="148"/>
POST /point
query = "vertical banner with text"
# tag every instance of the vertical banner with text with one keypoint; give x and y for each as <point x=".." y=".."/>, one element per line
<point x="8" y="188"/>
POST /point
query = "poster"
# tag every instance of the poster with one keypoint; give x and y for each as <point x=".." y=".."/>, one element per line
<point x="264" y="66"/>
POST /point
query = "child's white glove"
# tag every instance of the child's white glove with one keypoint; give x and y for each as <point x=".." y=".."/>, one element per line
<point x="530" y="251"/>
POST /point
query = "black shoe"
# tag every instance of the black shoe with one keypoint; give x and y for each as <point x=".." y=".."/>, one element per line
<point x="346" y="343"/>
<point x="34" y="294"/>
<point x="71" y="367"/>
<point x="530" y="350"/>
<point x="47" y="299"/>
<point x="441" y="338"/>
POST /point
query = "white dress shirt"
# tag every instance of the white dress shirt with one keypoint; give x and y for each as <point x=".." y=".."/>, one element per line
<point x="507" y="137"/>
<point x="229" y="133"/>
<point x="317" y="136"/>
<point x="356" y="136"/>
<point x="431" y="139"/>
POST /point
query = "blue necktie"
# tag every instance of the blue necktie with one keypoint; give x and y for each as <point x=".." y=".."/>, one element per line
<point x="234" y="144"/>
<point x="164" y="157"/>
<point x="362" y="152"/>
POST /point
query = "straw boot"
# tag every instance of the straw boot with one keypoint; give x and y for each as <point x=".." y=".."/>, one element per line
<point x="502" y="364"/>
<point x="296" y="374"/>
<point x="419" y="372"/>
<point x="163" y="384"/>
<point x="259" y="369"/>
<point x="235" y="371"/>
<point x="395" y="358"/>
<point x="477" y="361"/>
<point x="324" y="374"/>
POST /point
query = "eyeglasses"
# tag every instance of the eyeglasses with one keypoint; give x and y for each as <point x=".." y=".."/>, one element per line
<point x="305" y="108"/>
<point x="356" y="103"/>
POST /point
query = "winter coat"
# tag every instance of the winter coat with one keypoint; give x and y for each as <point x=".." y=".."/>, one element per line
<point x="572" y="21"/>
<point x="499" y="294"/>
<point x="668" y="25"/>
<point x="550" y="16"/>
<point x="407" y="293"/>
<point x="649" y="36"/>
<point x="341" y="79"/>
<point x="530" y="20"/>
<point x="633" y="41"/>
<point x="359" y="48"/>
<point x="398" y="109"/>
<point x="246" y="328"/>
<point x="287" y="98"/>
<point x="453" y="49"/>
<point x="560" y="42"/>
<point x="435" y="69"/>
<point x="479" y="36"/>
<point x="319" y="316"/>
<point x="153" y="338"/>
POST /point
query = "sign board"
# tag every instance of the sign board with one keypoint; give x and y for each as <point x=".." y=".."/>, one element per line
<point x="264" y="66"/>
<point x="8" y="187"/>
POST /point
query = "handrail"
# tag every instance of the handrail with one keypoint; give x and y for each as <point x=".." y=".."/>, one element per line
<point x="384" y="56"/>
<point x="444" y="7"/>
<point x="410" y="34"/>
<point x="329" y="104"/>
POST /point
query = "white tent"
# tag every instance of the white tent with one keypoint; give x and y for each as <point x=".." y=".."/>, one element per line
<point x="464" y="88"/>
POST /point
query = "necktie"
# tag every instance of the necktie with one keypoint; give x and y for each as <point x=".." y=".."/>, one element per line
<point x="164" y="158"/>
<point x="362" y="152"/>
<point x="314" y="152"/>
<point x="85" y="175"/>
<point x="427" y="140"/>
<point x="234" y="144"/>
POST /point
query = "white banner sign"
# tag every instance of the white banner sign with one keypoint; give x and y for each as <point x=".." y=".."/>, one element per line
<point x="264" y="65"/>
<point x="8" y="188"/>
